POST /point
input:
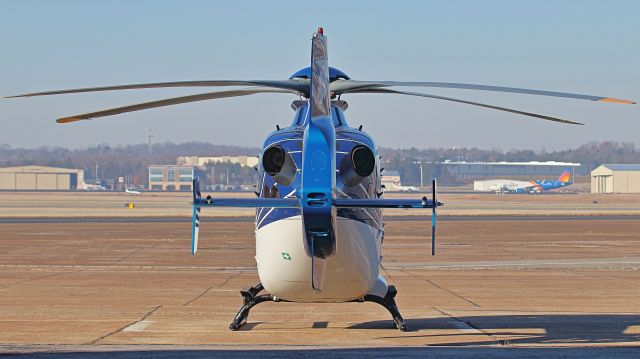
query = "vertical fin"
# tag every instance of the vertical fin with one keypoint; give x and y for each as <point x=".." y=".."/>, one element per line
<point x="319" y="94"/>
<point x="565" y="176"/>
<point x="318" y="266"/>
<point x="318" y="166"/>
<point x="195" y="221"/>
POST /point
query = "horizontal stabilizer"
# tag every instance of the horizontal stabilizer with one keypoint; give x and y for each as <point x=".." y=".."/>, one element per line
<point x="295" y="202"/>
<point x="247" y="202"/>
<point x="385" y="203"/>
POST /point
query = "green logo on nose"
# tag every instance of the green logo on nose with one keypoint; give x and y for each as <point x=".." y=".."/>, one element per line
<point x="286" y="256"/>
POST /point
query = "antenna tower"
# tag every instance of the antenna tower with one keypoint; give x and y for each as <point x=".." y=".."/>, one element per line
<point x="148" y="136"/>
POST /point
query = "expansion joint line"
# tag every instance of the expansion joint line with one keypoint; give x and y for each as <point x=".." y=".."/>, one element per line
<point x="197" y="297"/>
<point x="133" y="253"/>
<point x="474" y="327"/>
<point x="145" y="316"/>
<point x="442" y="288"/>
<point x="237" y="274"/>
<point x="38" y="278"/>
<point x="209" y="289"/>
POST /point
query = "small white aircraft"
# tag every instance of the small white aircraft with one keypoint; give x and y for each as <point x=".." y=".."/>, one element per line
<point x="94" y="187"/>
<point x="132" y="191"/>
<point x="318" y="226"/>
<point x="408" y="189"/>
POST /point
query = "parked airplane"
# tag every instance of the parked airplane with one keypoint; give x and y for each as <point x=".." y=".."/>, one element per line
<point x="132" y="191"/>
<point x="545" y="185"/>
<point x="503" y="186"/>
<point x="392" y="187"/>
<point x="94" y="187"/>
<point x="319" y="228"/>
<point x="407" y="188"/>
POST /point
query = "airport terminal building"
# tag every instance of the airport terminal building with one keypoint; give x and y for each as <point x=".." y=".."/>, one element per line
<point x="616" y="178"/>
<point x="171" y="177"/>
<point x="40" y="178"/>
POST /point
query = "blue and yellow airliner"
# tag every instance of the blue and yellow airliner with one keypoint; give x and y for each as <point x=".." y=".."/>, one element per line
<point x="564" y="180"/>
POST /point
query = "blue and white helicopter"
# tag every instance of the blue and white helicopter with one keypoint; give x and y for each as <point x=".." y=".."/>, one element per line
<point x="318" y="224"/>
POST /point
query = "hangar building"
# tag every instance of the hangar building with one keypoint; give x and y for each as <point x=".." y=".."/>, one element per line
<point x="40" y="178"/>
<point x="391" y="180"/>
<point x="616" y="178"/>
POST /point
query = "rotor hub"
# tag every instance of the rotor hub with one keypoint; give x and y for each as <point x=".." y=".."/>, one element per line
<point x="334" y="74"/>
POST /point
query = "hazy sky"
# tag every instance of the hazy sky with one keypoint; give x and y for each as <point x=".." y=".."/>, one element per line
<point x="590" y="47"/>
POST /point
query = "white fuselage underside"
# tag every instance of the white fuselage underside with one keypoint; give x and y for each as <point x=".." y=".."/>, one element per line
<point x="284" y="263"/>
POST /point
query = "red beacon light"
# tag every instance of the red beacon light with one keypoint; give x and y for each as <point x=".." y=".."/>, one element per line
<point x="320" y="31"/>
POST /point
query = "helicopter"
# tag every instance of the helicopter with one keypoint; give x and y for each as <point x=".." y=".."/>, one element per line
<point x="319" y="226"/>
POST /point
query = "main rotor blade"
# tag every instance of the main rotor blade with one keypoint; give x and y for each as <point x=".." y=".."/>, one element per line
<point x="173" y="101"/>
<point x="344" y="86"/>
<point x="385" y="90"/>
<point x="296" y="85"/>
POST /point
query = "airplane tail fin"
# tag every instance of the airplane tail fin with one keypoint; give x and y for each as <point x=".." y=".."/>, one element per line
<point x="565" y="176"/>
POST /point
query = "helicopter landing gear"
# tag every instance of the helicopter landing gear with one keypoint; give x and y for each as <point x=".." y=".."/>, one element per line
<point x="250" y="298"/>
<point x="389" y="302"/>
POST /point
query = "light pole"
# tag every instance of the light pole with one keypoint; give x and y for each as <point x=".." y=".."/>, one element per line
<point x="421" y="178"/>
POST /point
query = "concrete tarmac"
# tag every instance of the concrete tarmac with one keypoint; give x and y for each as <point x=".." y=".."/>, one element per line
<point x="497" y="288"/>
<point x="177" y="204"/>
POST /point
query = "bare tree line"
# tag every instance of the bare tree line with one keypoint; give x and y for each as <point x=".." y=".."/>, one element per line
<point x="132" y="160"/>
